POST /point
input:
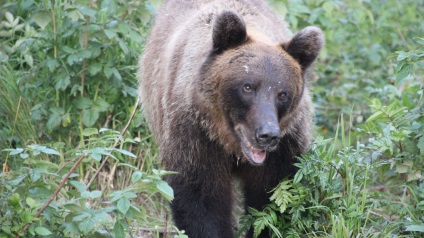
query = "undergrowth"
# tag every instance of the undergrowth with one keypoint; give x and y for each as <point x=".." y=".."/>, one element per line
<point x="78" y="160"/>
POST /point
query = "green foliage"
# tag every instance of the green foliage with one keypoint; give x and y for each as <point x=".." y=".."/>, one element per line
<point x="78" y="209"/>
<point x="67" y="51"/>
<point x="67" y="68"/>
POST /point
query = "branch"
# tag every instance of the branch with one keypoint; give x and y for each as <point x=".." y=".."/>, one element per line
<point x="62" y="183"/>
<point x="80" y="159"/>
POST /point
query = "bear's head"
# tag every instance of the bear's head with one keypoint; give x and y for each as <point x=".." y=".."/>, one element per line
<point x="254" y="85"/>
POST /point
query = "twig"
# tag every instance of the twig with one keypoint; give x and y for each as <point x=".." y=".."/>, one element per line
<point x="158" y="229"/>
<point x="5" y="165"/>
<point x="384" y="216"/>
<point x="54" y="30"/>
<point x="116" y="143"/>
<point x="62" y="183"/>
<point x="80" y="159"/>
<point x="401" y="35"/>
<point x="84" y="64"/>
<point x="165" y="233"/>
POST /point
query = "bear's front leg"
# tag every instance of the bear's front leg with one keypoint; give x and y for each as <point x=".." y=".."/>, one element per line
<point x="203" y="198"/>
<point x="258" y="181"/>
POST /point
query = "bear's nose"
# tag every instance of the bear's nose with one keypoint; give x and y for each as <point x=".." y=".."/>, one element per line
<point x="267" y="135"/>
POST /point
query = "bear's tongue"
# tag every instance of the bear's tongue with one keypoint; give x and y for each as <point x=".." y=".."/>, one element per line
<point x="258" y="156"/>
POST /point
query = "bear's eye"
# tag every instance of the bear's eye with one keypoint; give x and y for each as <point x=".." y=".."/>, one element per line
<point x="247" y="88"/>
<point x="282" y="96"/>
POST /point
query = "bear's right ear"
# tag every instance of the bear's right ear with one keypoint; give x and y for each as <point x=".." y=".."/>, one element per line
<point x="229" y="30"/>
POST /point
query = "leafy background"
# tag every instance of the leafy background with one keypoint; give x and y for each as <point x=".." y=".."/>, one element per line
<point x="70" y="133"/>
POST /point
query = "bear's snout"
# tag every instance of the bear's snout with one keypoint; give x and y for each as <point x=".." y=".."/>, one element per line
<point x="267" y="136"/>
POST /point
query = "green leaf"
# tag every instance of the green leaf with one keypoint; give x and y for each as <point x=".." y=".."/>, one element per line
<point x="110" y="33"/>
<point x="31" y="202"/>
<point x="75" y="15"/>
<point x="90" y="131"/>
<point x="52" y="64"/>
<point x="123" y="205"/>
<point x="62" y="80"/>
<point x="123" y="46"/>
<point x="259" y="226"/>
<point x="83" y="103"/>
<point x="15" y="202"/>
<point x="95" y="194"/>
<point x="53" y="122"/>
<point x="403" y="72"/>
<point x="419" y="228"/>
<point x="87" y="11"/>
<point x="71" y="59"/>
<point x="14" y="151"/>
<point x="55" y="119"/>
<point x="165" y="189"/>
<point x="419" y="40"/>
<point x="108" y="72"/>
<point x="130" y="195"/>
<point x="94" y="69"/>
<point x="50" y="151"/>
<point x="101" y="105"/>
<point x="42" y="231"/>
<point x="297" y="177"/>
<point x="117" y="74"/>
<point x="71" y="229"/>
<point x="83" y="216"/>
<point x="125" y="152"/>
<point x="86" y="194"/>
<point x="420" y="145"/>
<point x="118" y="230"/>
<point x="83" y="54"/>
<point x="100" y="150"/>
<point x="375" y="116"/>
<point x="24" y="155"/>
<point x="401" y="55"/>
<point x="89" y="117"/>
<point x="35" y="173"/>
<point x="9" y="17"/>
<point x="401" y="168"/>
<point x="6" y="229"/>
<point x="79" y="185"/>
<point x="97" y="157"/>
<point x="42" y="19"/>
<point x="136" y="176"/>
<point x="328" y="7"/>
<point x="87" y="224"/>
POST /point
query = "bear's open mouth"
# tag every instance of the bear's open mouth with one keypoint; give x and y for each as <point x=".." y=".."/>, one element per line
<point x="254" y="155"/>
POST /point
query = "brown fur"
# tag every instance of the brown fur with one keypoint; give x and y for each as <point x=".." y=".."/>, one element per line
<point x="185" y="72"/>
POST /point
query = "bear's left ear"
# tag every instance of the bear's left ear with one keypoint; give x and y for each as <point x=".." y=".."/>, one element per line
<point x="229" y="30"/>
<point x="305" y="46"/>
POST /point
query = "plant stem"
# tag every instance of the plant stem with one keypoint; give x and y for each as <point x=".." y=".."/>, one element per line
<point x="5" y="166"/>
<point x="62" y="183"/>
<point x="116" y="143"/>
<point x="84" y="66"/>
<point x="54" y="29"/>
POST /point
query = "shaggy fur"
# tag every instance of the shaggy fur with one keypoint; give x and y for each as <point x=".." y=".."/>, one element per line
<point x="223" y="86"/>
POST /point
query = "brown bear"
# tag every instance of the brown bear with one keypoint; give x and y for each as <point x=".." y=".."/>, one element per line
<point x="224" y="88"/>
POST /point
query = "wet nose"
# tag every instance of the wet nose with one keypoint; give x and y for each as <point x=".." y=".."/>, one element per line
<point x="267" y="135"/>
